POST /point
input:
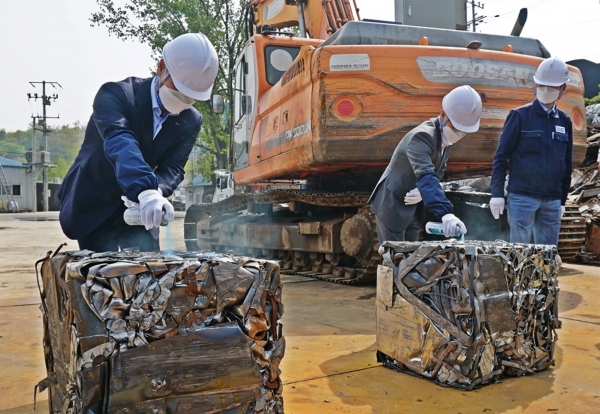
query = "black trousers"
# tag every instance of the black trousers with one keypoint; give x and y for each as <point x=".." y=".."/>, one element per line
<point x="114" y="235"/>
<point x="411" y="233"/>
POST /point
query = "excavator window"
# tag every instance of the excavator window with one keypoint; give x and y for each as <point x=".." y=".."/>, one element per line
<point x="240" y="89"/>
<point x="222" y="183"/>
<point x="279" y="59"/>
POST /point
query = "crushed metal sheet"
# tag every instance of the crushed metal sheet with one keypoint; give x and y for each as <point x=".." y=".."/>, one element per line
<point x="474" y="311"/>
<point x="153" y="331"/>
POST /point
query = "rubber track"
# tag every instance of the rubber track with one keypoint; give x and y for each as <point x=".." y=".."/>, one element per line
<point x="366" y="275"/>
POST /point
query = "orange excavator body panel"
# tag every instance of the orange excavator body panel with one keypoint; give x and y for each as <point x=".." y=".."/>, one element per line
<point x="341" y="110"/>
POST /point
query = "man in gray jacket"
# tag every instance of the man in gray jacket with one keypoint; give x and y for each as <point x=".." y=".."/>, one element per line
<point x="416" y="167"/>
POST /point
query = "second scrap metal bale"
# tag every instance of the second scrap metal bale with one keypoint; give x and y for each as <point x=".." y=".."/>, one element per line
<point x="191" y="333"/>
<point x="466" y="314"/>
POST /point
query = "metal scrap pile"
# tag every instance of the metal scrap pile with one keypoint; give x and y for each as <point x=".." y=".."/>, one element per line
<point x="585" y="190"/>
<point x="189" y="333"/>
<point x="590" y="252"/>
<point x="466" y="314"/>
<point x="585" y="179"/>
<point x="592" y="115"/>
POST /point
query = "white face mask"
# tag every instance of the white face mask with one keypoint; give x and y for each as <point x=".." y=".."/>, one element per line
<point x="547" y="94"/>
<point x="173" y="101"/>
<point x="451" y="135"/>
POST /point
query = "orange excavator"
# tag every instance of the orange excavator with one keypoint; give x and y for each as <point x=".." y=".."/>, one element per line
<point x="328" y="105"/>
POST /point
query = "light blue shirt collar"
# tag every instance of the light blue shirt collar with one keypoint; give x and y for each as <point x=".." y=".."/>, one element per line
<point x="553" y="112"/>
<point x="157" y="118"/>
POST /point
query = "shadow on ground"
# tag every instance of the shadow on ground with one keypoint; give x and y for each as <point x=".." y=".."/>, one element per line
<point x="386" y="391"/>
<point x="568" y="301"/>
<point x="569" y="271"/>
<point x="40" y="407"/>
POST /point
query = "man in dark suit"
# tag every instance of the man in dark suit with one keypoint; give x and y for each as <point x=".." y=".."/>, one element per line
<point x="416" y="167"/>
<point x="136" y="144"/>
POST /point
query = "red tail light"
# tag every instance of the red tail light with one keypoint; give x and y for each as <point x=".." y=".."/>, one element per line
<point x="346" y="108"/>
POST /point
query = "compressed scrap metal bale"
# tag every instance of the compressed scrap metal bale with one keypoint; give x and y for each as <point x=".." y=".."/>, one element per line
<point x="151" y="333"/>
<point x="465" y="314"/>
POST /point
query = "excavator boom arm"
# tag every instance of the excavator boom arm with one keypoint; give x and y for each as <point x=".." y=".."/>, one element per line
<point x="317" y="19"/>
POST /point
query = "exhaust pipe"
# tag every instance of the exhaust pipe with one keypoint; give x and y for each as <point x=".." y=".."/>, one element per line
<point x="301" y="23"/>
<point x="518" y="28"/>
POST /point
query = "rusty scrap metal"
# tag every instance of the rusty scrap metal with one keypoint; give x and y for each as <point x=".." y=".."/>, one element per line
<point x="146" y="332"/>
<point x="590" y="252"/>
<point x="466" y="314"/>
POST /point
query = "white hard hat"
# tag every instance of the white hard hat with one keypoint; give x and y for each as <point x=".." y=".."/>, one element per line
<point x="552" y="72"/>
<point x="463" y="107"/>
<point x="193" y="65"/>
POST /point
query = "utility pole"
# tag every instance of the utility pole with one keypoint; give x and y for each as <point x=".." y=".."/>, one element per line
<point x="45" y="155"/>
<point x="476" y="19"/>
<point x="33" y="169"/>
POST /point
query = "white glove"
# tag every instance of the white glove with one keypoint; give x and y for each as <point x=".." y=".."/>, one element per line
<point x="497" y="206"/>
<point x="562" y="211"/>
<point x="451" y="222"/>
<point x="152" y="204"/>
<point x="129" y="203"/>
<point x="412" y="197"/>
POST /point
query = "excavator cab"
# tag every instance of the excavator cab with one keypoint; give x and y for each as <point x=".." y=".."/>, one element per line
<point x="244" y="103"/>
<point x="261" y="65"/>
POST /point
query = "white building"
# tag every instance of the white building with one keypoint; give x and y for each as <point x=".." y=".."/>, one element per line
<point x="18" y="177"/>
<point x="199" y="191"/>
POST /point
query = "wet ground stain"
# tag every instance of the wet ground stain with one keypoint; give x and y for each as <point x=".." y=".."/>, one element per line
<point x="37" y="218"/>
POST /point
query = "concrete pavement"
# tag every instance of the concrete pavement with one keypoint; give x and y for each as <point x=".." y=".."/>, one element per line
<point x="330" y="364"/>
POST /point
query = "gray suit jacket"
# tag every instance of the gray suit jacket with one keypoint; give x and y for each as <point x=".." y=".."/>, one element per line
<point x="419" y="154"/>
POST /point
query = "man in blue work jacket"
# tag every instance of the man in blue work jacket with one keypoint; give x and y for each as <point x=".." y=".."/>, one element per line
<point x="536" y="146"/>
<point x="136" y="144"/>
<point x="416" y="167"/>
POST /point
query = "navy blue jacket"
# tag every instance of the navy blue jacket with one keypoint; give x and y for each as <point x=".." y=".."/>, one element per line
<point x="120" y="157"/>
<point x="537" y="150"/>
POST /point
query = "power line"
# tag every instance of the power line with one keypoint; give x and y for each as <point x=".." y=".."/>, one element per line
<point x="76" y="103"/>
<point x="508" y="14"/>
<point x="73" y="99"/>
<point x="476" y="19"/>
<point x="78" y="115"/>
<point x="548" y="30"/>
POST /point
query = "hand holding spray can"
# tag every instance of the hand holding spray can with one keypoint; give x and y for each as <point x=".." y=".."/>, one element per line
<point x="133" y="217"/>
<point x="433" y="227"/>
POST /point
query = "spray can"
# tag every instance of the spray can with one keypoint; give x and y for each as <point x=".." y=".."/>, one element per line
<point x="133" y="217"/>
<point x="436" y="228"/>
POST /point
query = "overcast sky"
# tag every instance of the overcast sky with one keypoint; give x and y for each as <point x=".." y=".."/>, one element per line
<point x="52" y="40"/>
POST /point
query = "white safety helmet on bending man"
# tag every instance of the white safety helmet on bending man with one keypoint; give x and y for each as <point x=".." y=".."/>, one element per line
<point x="187" y="72"/>
<point x="461" y="111"/>
<point x="460" y="115"/>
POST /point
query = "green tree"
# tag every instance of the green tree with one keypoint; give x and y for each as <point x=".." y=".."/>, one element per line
<point x="14" y="145"/>
<point x="63" y="144"/>
<point x="12" y="151"/>
<point x="593" y="100"/>
<point x="155" y="22"/>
